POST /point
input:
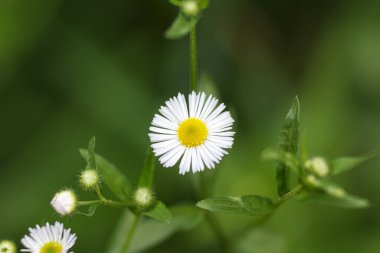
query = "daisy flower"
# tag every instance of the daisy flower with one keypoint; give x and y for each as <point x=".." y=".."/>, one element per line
<point x="197" y="130"/>
<point x="48" y="239"/>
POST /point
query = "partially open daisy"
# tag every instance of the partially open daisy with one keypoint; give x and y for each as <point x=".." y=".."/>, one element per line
<point x="48" y="239"/>
<point x="197" y="131"/>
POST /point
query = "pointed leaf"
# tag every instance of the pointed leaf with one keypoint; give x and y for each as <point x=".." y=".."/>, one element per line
<point x="146" y="178"/>
<point x="289" y="142"/>
<point x="181" y="26"/>
<point x="91" y="152"/>
<point x="203" y="4"/>
<point x="112" y="176"/>
<point x="251" y="205"/>
<point x="347" y="201"/>
<point x="280" y="155"/>
<point x="160" y="213"/>
<point x="150" y="232"/>
<point x="343" y="164"/>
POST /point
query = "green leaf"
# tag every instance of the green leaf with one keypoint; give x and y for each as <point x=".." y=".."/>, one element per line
<point x="289" y="142"/>
<point x="176" y="2"/>
<point x="91" y="152"/>
<point x="112" y="176"/>
<point x="181" y="26"/>
<point x="203" y="4"/>
<point x="347" y="201"/>
<point x="150" y="233"/>
<point x="251" y="205"/>
<point x="159" y="212"/>
<point x="286" y="158"/>
<point x="91" y="210"/>
<point x="146" y="178"/>
<point x="343" y="164"/>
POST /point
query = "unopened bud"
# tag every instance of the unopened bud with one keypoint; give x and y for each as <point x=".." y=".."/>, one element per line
<point x="7" y="247"/>
<point x="143" y="197"/>
<point x="89" y="179"/>
<point x="312" y="180"/>
<point x="190" y="8"/>
<point x="336" y="191"/>
<point x="318" y="166"/>
<point x="64" y="202"/>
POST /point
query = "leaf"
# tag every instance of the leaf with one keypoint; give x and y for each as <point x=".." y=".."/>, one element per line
<point x="146" y="178"/>
<point x="91" y="163"/>
<point x="251" y="205"/>
<point x="176" y="2"/>
<point x="160" y="213"/>
<point x="289" y="141"/>
<point x="150" y="233"/>
<point x="181" y="26"/>
<point x="279" y="155"/>
<point x="203" y="4"/>
<point x="343" y="164"/>
<point x="112" y="176"/>
<point x="91" y="210"/>
<point x="347" y="201"/>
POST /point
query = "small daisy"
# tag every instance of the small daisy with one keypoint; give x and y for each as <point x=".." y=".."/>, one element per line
<point x="197" y="131"/>
<point x="49" y="239"/>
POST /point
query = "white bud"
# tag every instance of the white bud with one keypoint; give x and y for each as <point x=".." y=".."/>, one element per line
<point x="64" y="202"/>
<point x="143" y="197"/>
<point x="336" y="191"/>
<point x="89" y="178"/>
<point x="312" y="180"/>
<point x="7" y="247"/>
<point x="318" y="166"/>
<point x="190" y="8"/>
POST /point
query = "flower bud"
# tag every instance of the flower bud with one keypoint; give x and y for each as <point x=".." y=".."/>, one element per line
<point x="318" y="166"/>
<point x="190" y="7"/>
<point x="89" y="178"/>
<point x="336" y="191"/>
<point x="143" y="197"/>
<point x="64" y="202"/>
<point x="312" y="180"/>
<point x="7" y="247"/>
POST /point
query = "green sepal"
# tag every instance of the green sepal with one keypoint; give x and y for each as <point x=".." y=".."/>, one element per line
<point x="289" y="142"/>
<point x="159" y="212"/>
<point x="116" y="181"/>
<point x="343" y="164"/>
<point x="181" y="26"/>
<point x="250" y="205"/>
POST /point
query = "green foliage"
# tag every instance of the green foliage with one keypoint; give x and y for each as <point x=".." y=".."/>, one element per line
<point x="343" y="164"/>
<point x="147" y="174"/>
<point x="116" y="181"/>
<point x="346" y="201"/>
<point x="286" y="158"/>
<point x="289" y="142"/>
<point x="151" y="233"/>
<point x="251" y="205"/>
<point x="159" y="212"/>
<point x="181" y="26"/>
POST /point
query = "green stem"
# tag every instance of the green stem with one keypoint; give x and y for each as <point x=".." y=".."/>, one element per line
<point x="193" y="59"/>
<point x="131" y="232"/>
<point x="105" y="202"/>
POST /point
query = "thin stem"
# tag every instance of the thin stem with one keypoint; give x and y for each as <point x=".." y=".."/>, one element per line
<point x="131" y="232"/>
<point x="99" y="193"/>
<point x="105" y="202"/>
<point x="193" y="59"/>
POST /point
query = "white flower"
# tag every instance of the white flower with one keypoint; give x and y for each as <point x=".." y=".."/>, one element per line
<point x="197" y="131"/>
<point x="7" y="247"/>
<point x="49" y="239"/>
<point x="64" y="202"/>
<point x="89" y="178"/>
<point x="318" y="166"/>
<point x="190" y="8"/>
<point x="143" y="197"/>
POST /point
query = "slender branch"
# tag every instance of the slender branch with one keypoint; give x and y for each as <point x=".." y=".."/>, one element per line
<point x="99" y="193"/>
<point x="105" y="202"/>
<point x="193" y="59"/>
<point x="131" y="232"/>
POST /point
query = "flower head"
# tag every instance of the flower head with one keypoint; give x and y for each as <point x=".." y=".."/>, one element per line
<point x="48" y="239"/>
<point x="190" y="7"/>
<point x="198" y="131"/>
<point x="7" y="247"/>
<point x="318" y="166"/>
<point x="64" y="202"/>
<point x="143" y="197"/>
<point x="89" y="178"/>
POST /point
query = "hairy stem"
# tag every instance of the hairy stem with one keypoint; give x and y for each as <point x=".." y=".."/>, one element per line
<point x="193" y="60"/>
<point x="131" y="232"/>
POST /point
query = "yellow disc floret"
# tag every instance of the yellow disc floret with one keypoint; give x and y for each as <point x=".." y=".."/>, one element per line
<point x="51" y="247"/>
<point x="192" y="132"/>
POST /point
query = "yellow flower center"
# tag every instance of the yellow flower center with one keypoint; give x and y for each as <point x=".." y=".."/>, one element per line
<point x="192" y="132"/>
<point x="51" y="247"/>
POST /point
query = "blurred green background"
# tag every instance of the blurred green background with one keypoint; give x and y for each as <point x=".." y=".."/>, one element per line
<point x="73" y="69"/>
